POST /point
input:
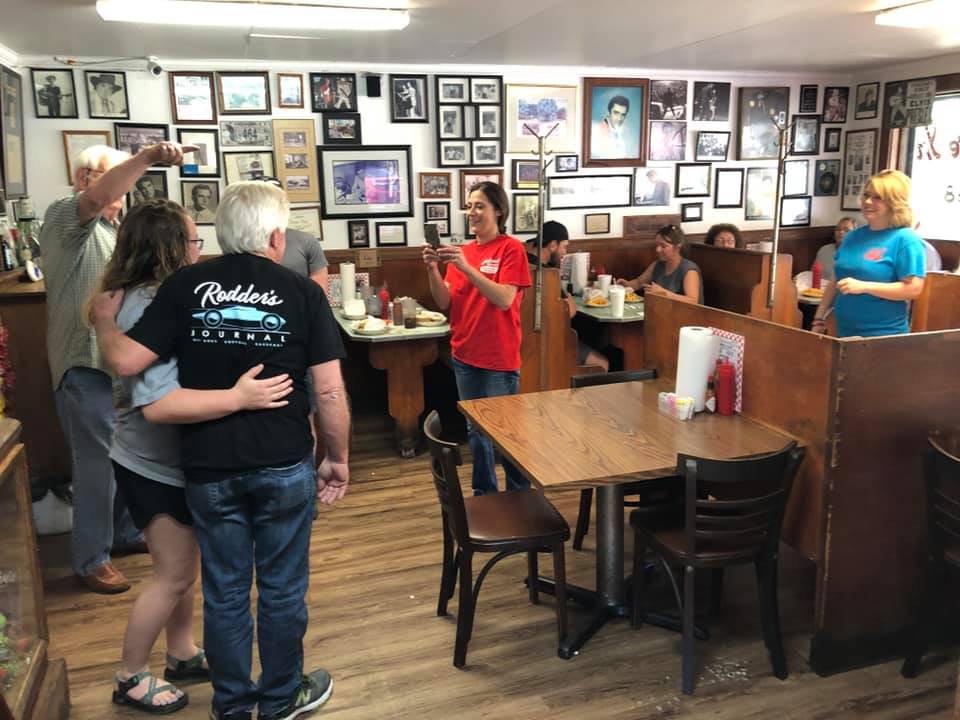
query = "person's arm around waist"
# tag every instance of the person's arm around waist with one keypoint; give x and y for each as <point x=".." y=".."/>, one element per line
<point x="333" y="425"/>
<point x="126" y="356"/>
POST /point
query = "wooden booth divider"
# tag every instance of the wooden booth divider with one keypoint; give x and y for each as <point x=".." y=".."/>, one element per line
<point x="938" y="307"/>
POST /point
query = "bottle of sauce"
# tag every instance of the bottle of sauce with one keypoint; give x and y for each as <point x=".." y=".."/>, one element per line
<point x="725" y="387"/>
<point x="817" y="276"/>
<point x="710" y="396"/>
<point x="385" y="303"/>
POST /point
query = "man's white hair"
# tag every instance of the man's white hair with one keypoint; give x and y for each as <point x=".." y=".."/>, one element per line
<point x="249" y="212"/>
<point x="93" y="157"/>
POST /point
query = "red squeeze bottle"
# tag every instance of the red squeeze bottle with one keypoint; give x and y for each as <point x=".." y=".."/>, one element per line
<point x="384" y="295"/>
<point x="725" y="388"/>
<point x="817" y="276"/>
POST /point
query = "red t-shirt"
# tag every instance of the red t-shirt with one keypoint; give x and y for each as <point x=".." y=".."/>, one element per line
<point x="481" y="334"/>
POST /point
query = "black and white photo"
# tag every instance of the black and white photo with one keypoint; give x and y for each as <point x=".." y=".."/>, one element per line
<point x="868" y="98"/>
<point x="435" y="184"/>
<point x="831" y="139"/>
<point x="485" y="90"/>
<point x="54" y="94"/>
<point x="201" y="199"/>
<point x="668" y="99"/>
<point x="805" y="135"/>
<point x="107" y="94"/>
<point x="711" y="102"/>
<point x="486" y="152"/>
<point x="133" y="137"/>
<point x="246" y="133"/>
<point x="408" y="98"/>
<point x="761" y="111"/>
<point x="152" y="185"/>
<point x="358" y="233"/>
<point x="488" y="122"/>
<point x="454" y="152"/>
<point x="205" y="160"/>
<point x="451" y="121"/>
<point x="452" y="89"/>
<point x="240" y="165"/>
<point x="712" y="146"/>
<point x="566" y="163"/>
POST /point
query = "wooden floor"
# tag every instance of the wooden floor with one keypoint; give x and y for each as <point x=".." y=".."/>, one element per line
<point x="373" y="624"/>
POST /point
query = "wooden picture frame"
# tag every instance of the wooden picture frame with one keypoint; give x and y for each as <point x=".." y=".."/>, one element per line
<point x="14" y="165"/>
<point x="758" y="109"/>
<point x="471" y="176"/>
<point x="289" y="90"/>
<point x="525" y="213"/>
<point x="200" y="198"/>
<point x="358" y="233"/>
<point x="76" y="141"/>
<point x="296" y="162"/>
<point x="596" y="223"/>
<point x="306" y="218"/>
<point x="192" y="98"/>
<point x="859" y="164"/>
<point x="206" y="160"/>
<point x="107" y="94"/>
<point x="409" y="99"/>
<point x="243" y="93"/>
<point x="333" y="92"/>
<point x="341" y="129"/>
<point x="54" y="93"/>
<point x="728" y="188"/>
<point x="603" y="144"/>
<point x="239" y="165"/>
<point x="436" y="185"/>
<point x="365" y="180"/>
<point x="541" y="107"/>
<point x="391" y="234"/>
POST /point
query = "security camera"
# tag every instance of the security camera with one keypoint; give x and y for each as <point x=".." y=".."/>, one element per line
<point x="153" y="67"/>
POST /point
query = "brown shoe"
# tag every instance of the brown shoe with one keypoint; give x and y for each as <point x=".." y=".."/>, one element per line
<point x="106" y="579"/>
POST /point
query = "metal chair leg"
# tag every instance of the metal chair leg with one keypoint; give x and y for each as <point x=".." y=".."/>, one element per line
<point x="532" y="574"/>
<point x="583" y="518"/>
<point x="464" y="610"/>
<point x="689" y="593"/>
<point x="560" y="576"/>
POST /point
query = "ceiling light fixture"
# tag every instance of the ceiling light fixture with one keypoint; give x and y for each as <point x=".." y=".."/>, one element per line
<point x="926" y="14"/>
<point x="254" y="14"/>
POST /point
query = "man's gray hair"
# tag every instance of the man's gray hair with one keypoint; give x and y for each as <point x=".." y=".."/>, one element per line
<point x="93" y="157"/>
<point x="249" y="212"/>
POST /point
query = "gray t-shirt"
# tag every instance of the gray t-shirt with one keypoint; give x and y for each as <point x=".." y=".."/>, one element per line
<point x="674" y="281"/>
<point x="825" y="257"/>
<point x="148" y="449"/>
<point x="303" y="254"/>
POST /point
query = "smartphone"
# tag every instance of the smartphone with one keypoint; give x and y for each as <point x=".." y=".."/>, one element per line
<point x="431" y="235"/>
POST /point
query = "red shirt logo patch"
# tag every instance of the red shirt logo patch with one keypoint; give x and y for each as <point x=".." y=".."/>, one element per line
<point x="490" y="266"/>
<point x="875" y="254"/>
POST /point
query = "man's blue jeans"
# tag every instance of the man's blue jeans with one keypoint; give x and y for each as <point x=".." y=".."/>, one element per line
<point x="261" y="517"/>
<point x="474" y="383"/>
<point x="84" y="403"/>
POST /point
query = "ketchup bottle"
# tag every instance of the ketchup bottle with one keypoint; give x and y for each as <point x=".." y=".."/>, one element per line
<point x="384" y="295"/>
<point x="817" y="273"/>
<point x="725" y="388"/>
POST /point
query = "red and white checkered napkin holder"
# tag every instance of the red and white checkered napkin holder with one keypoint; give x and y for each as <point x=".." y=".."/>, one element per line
<point x="731" y="349"/>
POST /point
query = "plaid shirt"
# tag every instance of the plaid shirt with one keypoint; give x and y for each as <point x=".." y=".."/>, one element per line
<point x="74" y="258"/>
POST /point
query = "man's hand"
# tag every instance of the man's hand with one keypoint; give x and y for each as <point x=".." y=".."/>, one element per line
<point x="332" y="481"/>
<point x="105" y="306"/>
<point x="168" y="153"/>
<point x="266" y="394"/>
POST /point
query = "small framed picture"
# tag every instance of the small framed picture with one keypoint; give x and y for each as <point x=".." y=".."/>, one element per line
<point x="336" y="92"/>
<point x="831" y="140"/>
<point x="297" y="159"/>
<point x="712" y="146"/>
<point x="75" y="142"/>
<point x="728" y="188"/>
<point x="452" y="89"/>
<point x="244" y="93"/>
<point x="488" y="121"/>
<point x="711" y="102"/>
<point x="192" y="98"/>
<point x="526" y="175"/>
<point x="649" y="187"/>
<point x="133" y="137"/>
<point x="796" y="178"/>
<point x="341" y="129"/>
<point x="360" y="181"/>
<point x="668" y="141"/>
<point x="107" y="94"/>
<point x="526" y="212"/>
<point x="760" y="111"/>
<point x="471" y="176"/>
<point x="247" y="165"/>
<point x="306" y="219"/>
<point x="451" y="121"/>
<point x="691" y="212"/>
<point x="435" y="185"/>
<point x="246" y="133"/>
<point x="468" y="233"/>
<point x="54" y="94"/>
<point x="201" y="198"/>
<point x="614" y="121"/>
<point x="826" y="178"/>
<point x="668" y="99"/>
<point x="795" y="211"/>
<point x="408" y="99"/>
<point x="485" y="90"/>
<point x="436" y="211"/>
<point x="205" y="161"/>
<point x="391" y="234"/>
<point x="596" y="223"/>
<point x="805" y="135"/>
<point x="358" y="233"/>
<point x="454" y="153"/>
<point x="867" y="97"/>
<point x="761" y="193"/>
<point x="443" y="227"/>
<point x="487" y="152"/>
<point x="692" y="180"/>
<point x="567" y="163"/>
<point x="835" y="101"/>
<point x="289" y="90"/>
<point x="152" y="185"/>
<point x="808" y="98"/>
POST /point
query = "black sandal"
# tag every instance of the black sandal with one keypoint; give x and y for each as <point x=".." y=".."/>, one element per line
<point x="120" y="696"/>
<point x="186" y="672"/>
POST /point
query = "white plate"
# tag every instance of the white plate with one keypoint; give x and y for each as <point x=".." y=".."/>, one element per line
<point x="352" y="317"/>
<point x="381" y="331"/>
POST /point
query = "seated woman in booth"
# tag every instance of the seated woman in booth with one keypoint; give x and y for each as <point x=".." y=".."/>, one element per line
<point x="725" y="235"/>
<point x="671" y="274"/>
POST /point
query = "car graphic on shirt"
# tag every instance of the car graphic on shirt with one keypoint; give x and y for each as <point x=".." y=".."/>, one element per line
<point x="240" y="317"/>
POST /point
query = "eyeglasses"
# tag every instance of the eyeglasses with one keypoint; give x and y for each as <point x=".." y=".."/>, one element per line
<point x="198" y="242"/>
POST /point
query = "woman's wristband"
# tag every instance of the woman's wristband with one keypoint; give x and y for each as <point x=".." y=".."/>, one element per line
<point x="819" y="320"/>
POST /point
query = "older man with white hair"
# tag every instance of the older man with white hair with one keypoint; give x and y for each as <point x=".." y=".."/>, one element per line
<point x="78" y="236"/>
<point x="251" y="480"/>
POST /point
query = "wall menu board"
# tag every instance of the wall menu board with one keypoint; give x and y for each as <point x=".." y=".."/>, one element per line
<point x="11" y="138"/>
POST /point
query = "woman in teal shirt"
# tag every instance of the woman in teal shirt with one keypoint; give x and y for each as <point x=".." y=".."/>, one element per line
<point x="879" y="267"/>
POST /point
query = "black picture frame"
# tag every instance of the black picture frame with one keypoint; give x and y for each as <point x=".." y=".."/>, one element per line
<point x="189" y="136"/>
<point x="761" y="109"/>
<point x="867" y="101"/>
<point x="760" y="193"/>
<point x="525" y="223"/>
<point x="382" y="227"/>
<point x="792" y="169"/>
<point x="711" y="102"/>
<point x="409" y="99"/>
<point x="808" y="98"/>
<point x="720" y="185"/>
<point x="157" y="185"/>
<point x="470" y="114"/>
<point x="695" y="171"/>
<point x="14" y="165"/>
<point x="581" y="192"/>
<point x="337" y="162"/>
<point x="333" y="92"/>
<point x="566" y="163"/>
<point x="836" y="101"/>
<point x="341" y="128"/>
<point x="712" y="146"/>
<point x="795" y="219"/>
<point x="438" y="213"/>
<point x="805" y="135"/>
<point x="826" y="178"/>
<point x="691" y="212"/>
<point x="589" y="221"/>
<point x="51" y="101"/>
<point x="668" y="100"/>
<point x="358" y="233"/>
<point x="112" y="105"/>
<point x="133" y="137"/>
<point x="831" y="139"/>
<point x="200" y="215"/>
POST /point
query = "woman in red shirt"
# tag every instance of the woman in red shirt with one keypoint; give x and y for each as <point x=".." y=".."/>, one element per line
<point x="482" y="292"/>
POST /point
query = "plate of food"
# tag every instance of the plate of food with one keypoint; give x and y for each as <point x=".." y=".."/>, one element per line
<point x="429" y="318"/>
<point x="371" y="326"/>
<point x="597" y="301"/>
<point x="812" y="293"/>
<point x="632" y="297"/>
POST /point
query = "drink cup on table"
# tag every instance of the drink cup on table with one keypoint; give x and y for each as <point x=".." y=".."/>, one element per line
<point x="617" y="295"/>
<point x="409" y="312"/>
<point x="603" y="282"/>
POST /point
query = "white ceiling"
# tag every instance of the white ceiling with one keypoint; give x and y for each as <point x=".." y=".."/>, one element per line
<point x="723" y="35"/>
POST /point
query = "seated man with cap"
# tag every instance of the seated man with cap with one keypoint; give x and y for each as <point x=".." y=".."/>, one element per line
<point x="555" y="243"/>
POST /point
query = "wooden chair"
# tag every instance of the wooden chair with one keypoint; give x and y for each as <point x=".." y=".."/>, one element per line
<point x="942" y="473"/>
<point x="733" y="513"/>
<point x="654" y="493"/>
<point x="501" y="523"/>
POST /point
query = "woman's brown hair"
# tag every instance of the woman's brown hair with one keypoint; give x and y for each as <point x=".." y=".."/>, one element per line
<point x="497" y="197"/>
<point x="674" y="235"/>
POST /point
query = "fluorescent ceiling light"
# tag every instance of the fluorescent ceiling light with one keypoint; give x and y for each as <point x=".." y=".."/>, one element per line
<point x="927" y="14"/>
<point x="253" y="14"/>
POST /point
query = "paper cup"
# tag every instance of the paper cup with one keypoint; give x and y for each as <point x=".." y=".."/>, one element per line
<point x="603" y="282"/>
<point x="617" y="295"/>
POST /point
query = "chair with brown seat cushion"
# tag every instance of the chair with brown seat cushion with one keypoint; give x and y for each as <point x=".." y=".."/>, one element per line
<point x="733" y="512"/>
<point x="500" y="523"/>
<point x="941" y="469"/>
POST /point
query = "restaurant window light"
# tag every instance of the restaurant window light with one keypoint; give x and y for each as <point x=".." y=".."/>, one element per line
<point x="933" y="163"/>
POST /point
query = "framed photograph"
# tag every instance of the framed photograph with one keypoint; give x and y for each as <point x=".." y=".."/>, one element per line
<point x="650" y="186"/>
<point x="808" y="98"/>
<point x="289" y="90"/>
<point x="796" y="178"/>
<point x="391" y="234"/>
<point x="485" y="90"/>
<point x="152" y="185"/>
<point x="471" y="176"/>
<point x="691" y="212"/>
<point x="692" y="180"/>
<point x="728" y="188"/>
<point x="294" y="142"/>
<point x="107" y="94"/>
<point x="711" y="102"/>
<point x="341" y="129"/>
<point x="76" y="141"/>
<point x="761" y="193"/>
<point x="365" y="180"/>
<point x="525" y="175"/>
<point x="306" y="219"/>
<point x="488" y="121"/>
<point x="712" y="146"/>
<point x="408" y="99"/>
<point x="614" y="121"/>
<point x="133" y="137"/>
<point x="454" y="153"/>
<point x="895" y="104"/>
<point x="826" y="178"/>
<point x="761" y="109"/>
<point x="668" y="99"/>
<point x="244" y="93"/>
<point x="443" y="227"/>
<point x="192" y="98"/>
<point x="54" y="94"/>
<point x="436" y="211"/>
<point x="200" y="199"/>
<point x="596" y="223"/>
<point x="468" y="233"/>
<point x="805" y="135"/>
<point x="435" y="184"/>
<point x="239" y="165"/>
<point x="335" y="92"/>
<point x="246" y="133"/>
<point x="526" y="210"/>
<point x="859" y="163"/>
<point x="831" y="140"/>
<point x="868" y="95"/>
<point x="452" y="89"/>
<point x="589" y="191"/>
<point x="566" y="163"/>
<point x="795" y="211"/>
<point x="835" y="100"/>
<point x="358" y="233"/>
<point x="535" y="110"/>
<point x="486" y="152"/>
<point x="14" y="166"/>
<point x="205" y="162"/>
<point x="668" y="141"/>
<point x="450" y="123"/>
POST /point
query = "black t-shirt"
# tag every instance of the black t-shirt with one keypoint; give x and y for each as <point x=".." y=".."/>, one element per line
<point x="220" y="318"/>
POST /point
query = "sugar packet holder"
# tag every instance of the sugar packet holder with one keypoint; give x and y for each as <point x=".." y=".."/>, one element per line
<point x="679" y="407"/>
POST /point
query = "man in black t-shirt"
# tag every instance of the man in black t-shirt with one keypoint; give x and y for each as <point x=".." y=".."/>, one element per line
<point x="250" y="478"/>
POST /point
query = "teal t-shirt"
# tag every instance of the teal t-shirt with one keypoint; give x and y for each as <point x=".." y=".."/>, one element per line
<point x="876" y="256"/>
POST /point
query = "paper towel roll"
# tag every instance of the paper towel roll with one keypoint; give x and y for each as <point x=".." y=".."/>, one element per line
<point x="579" y="271"/>
<point x="348" y="281"/>
<point x="696" y="359"/>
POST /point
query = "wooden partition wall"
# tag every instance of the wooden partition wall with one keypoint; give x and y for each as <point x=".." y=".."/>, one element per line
<point x="862" y="407"/>
<point x="938" y="307"/>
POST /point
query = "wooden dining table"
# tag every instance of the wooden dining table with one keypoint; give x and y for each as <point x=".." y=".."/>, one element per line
<point x="604" y="436"/>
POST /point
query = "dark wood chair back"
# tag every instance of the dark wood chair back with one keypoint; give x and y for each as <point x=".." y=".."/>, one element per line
<point x="444" y="461"/>
<point x="942" y="471"/>
<point x="577" y="381"/>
